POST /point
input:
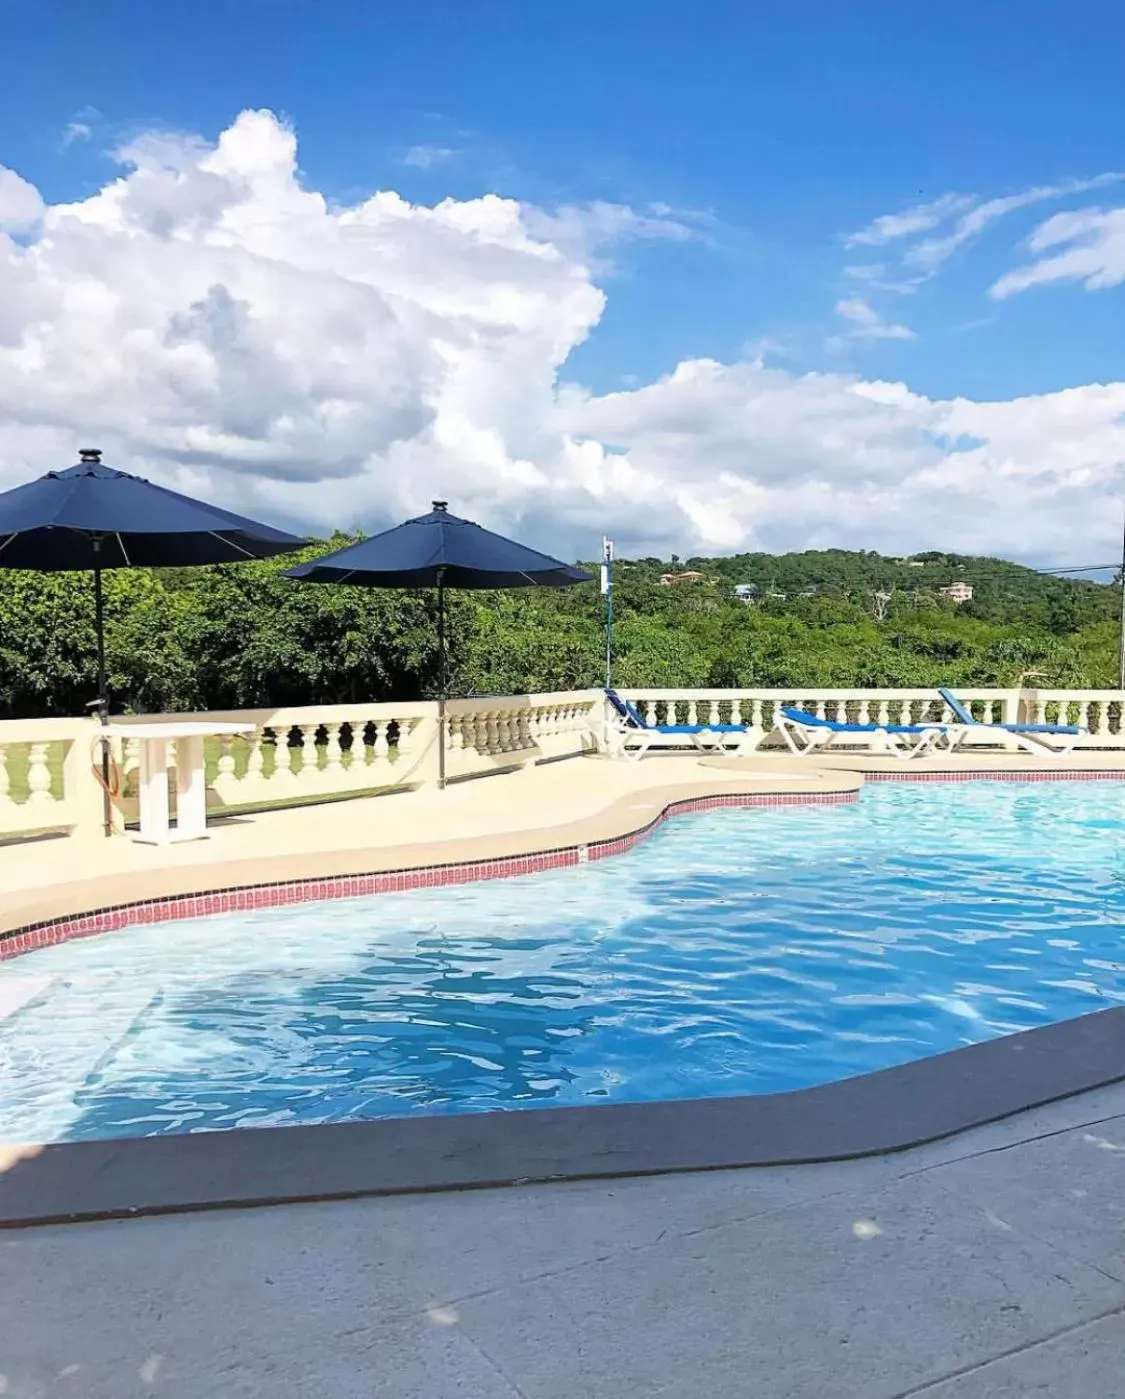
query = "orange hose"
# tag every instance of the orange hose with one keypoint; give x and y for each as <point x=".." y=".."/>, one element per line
<point x="112" y="787"/>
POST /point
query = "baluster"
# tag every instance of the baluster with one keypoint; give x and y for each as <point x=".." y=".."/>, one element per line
<point x="525" y="735"/>
<point x="38" y="776"/>
<point x="490" y="724"/>
<point x="1098" y="718"/>
<point x="693" y="712"/>
<point x="255" y="760"/>
<point x="820" y="709"/>
<point x="713" y="712"/>
<point x="648" y="710"/>
<point x="736" y="710"/>
<point x="882" y="713"/>
<point x="471" y="736"/>
<point x="282" y="767"/>
<point x="757" y="720"/>
<point x="864" y="716"/>
<point x="406" y="729"/>
<point x="226" y="757"/>
<point x="130" y="765"/>
<point x="381" y="747"/>
<point x="333" y="753"/>
<point x="308" y="751"/>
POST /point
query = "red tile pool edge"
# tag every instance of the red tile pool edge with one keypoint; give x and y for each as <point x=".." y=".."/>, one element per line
<point x="1090" y="775"/>
<point x="347" y="886"/>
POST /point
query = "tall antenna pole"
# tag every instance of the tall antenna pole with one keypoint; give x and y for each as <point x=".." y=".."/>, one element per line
<point x="607" y="592"/>
<point x="1121" y="638"/>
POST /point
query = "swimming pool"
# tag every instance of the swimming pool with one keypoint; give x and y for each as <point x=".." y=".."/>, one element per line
<point x="740" y="951"/>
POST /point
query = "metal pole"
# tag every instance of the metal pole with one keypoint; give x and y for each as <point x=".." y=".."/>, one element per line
<point x="1121" y="639"/>
<point x="103" y="691"/>
<point x="441" y="677"/>
<point x="607" y="588"/>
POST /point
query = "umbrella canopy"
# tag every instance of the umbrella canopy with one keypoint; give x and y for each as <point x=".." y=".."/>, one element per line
<point x="440" y="551"/>
<point x="91" y="516"/>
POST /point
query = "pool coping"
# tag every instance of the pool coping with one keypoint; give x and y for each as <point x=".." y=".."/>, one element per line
<point x="874" y="1114"/>
<point x="197" y="891"/>
<point x="201" y="891"/>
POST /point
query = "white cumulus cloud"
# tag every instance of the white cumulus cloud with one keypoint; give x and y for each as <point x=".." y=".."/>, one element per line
<point x="211" y="322"/>
<point x="20" y="204"/>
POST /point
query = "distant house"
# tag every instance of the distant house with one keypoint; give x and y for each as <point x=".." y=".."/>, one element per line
<point x="746" y="592"/>
<point x="671" y="580"/>
<point x="957" y="592"/>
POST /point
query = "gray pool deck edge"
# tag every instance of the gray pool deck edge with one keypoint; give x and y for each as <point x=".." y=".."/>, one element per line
<point x="873" y="1114"/>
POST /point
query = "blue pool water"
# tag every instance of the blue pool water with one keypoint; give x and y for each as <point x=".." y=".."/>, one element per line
<point x="736" y="952"/>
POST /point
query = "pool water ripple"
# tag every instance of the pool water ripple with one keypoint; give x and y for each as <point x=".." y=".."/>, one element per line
<point x="743" y="951"/>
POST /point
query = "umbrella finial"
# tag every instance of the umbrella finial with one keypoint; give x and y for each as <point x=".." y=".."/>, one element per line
<point x="441" y="504"/>
<point x="90" y="455"/>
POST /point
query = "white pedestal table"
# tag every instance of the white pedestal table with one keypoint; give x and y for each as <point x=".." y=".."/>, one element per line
<point x="191" y="781"/>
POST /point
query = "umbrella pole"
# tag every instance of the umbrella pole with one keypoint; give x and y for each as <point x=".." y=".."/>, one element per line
<point x="441" y="677"/>
<point x="103" y="694"/>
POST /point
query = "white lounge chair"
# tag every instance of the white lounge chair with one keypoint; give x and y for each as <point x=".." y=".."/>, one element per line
<point x="806" y="733"/>
<point x="1030" y="737"/>
<point x="633" y="735"/>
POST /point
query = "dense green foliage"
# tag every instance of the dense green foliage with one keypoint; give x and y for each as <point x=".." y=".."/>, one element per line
<point x="240" y="636"/>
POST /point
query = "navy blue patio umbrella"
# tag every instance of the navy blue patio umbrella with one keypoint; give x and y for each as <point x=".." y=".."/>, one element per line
<point x="440" y="551"/>
<point x="93" y="517"/>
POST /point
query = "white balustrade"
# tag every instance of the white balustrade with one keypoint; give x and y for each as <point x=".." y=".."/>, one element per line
<point x="47" y="780"/>
<point x="49" y="769"/>
<point x="1100" y="711"/>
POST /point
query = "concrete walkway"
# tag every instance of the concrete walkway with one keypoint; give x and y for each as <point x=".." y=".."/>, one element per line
<point x="989" y="1266"/>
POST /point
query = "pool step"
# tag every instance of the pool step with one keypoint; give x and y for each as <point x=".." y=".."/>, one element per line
<point x="52" y="1042"/>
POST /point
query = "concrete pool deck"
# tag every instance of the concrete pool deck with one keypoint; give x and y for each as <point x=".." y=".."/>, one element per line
<point x="989" y="1266"/>
<point x="552" y="806"/>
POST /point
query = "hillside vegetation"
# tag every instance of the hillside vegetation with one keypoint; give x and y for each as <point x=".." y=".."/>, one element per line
<point x="232" y="637"/>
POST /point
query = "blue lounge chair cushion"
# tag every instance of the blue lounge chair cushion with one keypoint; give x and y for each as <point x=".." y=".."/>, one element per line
<point x="698" y="728"/>
<point x="964" y="714"/>
<point x="626" y="709"/>
<point x="813" y="721"/>
<point x="630" y="714"/>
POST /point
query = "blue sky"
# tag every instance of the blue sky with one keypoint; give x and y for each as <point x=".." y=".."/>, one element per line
<point x="786" y="130"/>
<point x="761" y="137"/>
